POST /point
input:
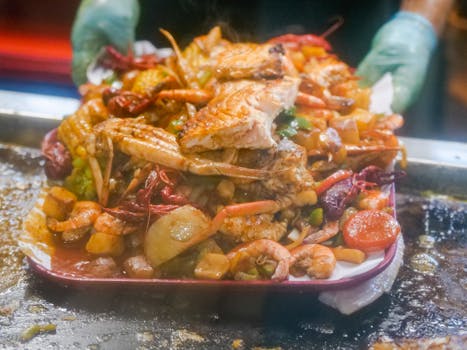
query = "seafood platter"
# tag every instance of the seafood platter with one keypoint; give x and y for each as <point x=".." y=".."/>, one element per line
<point x="247" y="165"/>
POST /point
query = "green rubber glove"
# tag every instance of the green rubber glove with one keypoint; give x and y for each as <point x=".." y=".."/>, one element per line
<point x="99" y="23"/>
<point x="402" y="47"/>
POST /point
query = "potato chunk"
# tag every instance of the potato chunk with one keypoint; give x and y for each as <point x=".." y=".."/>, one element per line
<point x="174" y="233"/>
<point x="58" y="203"/>
<point x="212" y="266"/>
<point x="101" y="243"/>
<point x="138" y="267"/>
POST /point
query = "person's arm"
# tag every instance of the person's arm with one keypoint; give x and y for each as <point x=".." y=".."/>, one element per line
<point x="99" y="23"/>
<point x="403" y="47"/>
<point x="435" y="11"/>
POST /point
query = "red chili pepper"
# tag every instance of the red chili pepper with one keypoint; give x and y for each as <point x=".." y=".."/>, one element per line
<point x="161" y="209"/>
<point x="144" y="195"/>
<point x="331" y="180"/>
<point x="115" y="60"/>
<point x="168" y="196"/>
<point x="135" y="213"/>
<point x="298" y="40"/>
<point x="169" y="181"/>
<point x="126" y="104"/>
<point x="126" y="215"/>
<point x="140" y="208"/>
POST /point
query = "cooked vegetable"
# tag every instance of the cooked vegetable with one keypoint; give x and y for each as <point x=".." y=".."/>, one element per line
<point x="81" y="181"/>
<point x="138" y="267"/>
<point x="147" y="80"/>
<point x="291" y="123"/>
<point x="371" y="230"/>
<point x="364" y="119"/>
<point x="341" y="188"/>
<point x="331" y="180"/>
<point x="337" y="198"/>
<point x="347" y="129"/>
<point x="316" y="217"/>
<point x="58" y="203"/>
<point x="174" y="233"/>
<point x="307" y="197"/>
<point x="104" y="244"/>
<point x="354" y="256"/>
<point x="378" y="176"/>
<point x="348" y="213"/>
<point x="212" y="266"/>
<point x="103" y="267"/>
<point x="58" y="158"/>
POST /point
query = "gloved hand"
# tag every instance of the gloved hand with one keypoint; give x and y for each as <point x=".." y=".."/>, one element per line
<point x="99" y="23"/>
<point x="402" y="47"/>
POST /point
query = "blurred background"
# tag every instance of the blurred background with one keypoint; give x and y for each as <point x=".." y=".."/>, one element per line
<point x="35" y="52"/>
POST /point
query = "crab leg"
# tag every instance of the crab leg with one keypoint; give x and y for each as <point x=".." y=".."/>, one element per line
<point x="187" y="75"/>
<point x="353" y="150"/>
<point x="187" y="95"/>
<point x="159" y="146"/>
<point x="251" y="208"/>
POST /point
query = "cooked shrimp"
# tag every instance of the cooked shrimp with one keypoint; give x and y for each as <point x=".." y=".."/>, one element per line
<point x="187" y="73"/>
<point x="112" y="225"/>
<point x="264" y="254"/>
<point x="84" y="214"/>
<point x="309" y="100"/>
<point x="253" y="227"/>
<point x="244" y="209"/>
<point x="315" y="260"/>
<point x="329" y="230"/>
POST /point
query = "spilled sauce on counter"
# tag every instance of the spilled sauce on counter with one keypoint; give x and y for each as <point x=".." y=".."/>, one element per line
<point x="20" y="180"/>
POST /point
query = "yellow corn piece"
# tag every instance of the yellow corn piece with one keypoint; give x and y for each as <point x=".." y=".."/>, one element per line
<point x="74" y="131"/>
<point x="146" y="80"/>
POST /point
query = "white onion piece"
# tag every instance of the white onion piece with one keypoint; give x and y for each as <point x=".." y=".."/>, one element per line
<point x="293" y="235"/>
